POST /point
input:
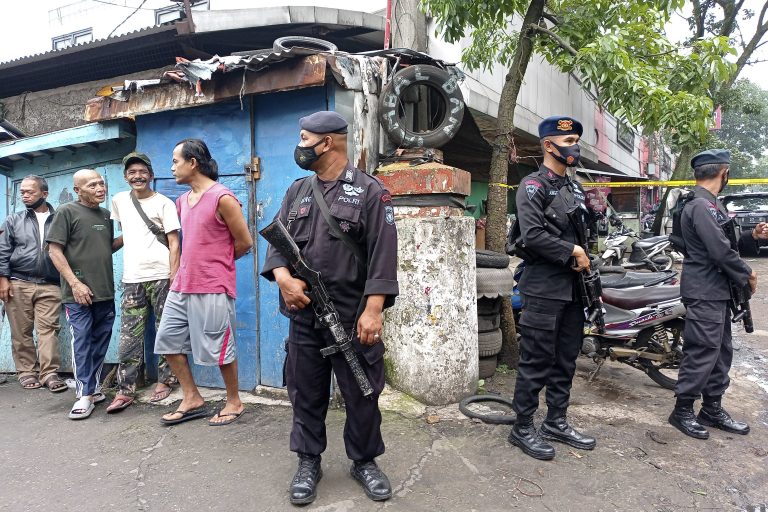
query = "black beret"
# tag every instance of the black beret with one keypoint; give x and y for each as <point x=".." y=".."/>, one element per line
<point x="559" y="125"/>
<point x="711" y="156"/>
<point x="324" y="121"/>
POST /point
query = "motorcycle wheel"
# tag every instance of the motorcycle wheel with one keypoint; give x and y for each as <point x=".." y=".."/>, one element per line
<point x="663" y="374"/>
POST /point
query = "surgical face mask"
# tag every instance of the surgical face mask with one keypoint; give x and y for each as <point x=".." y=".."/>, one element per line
<point x="305" y="156"/>
<point x="569" y="155"/>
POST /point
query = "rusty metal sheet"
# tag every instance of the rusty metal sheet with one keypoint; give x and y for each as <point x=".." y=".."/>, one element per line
<point x="292" y="74"/>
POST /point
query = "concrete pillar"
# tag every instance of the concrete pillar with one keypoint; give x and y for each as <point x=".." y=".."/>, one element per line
<point x="409" y="25"/>
<point x="431" y="332"/>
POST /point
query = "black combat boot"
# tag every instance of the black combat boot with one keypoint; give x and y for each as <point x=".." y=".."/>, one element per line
<point x="712" y="414"/>
<point x="556" y="428"/>
<point x="683" y="419"/>
<point x="374" y="481"/>
<point x="525" y="436"/>
<point x="304" y="484"/>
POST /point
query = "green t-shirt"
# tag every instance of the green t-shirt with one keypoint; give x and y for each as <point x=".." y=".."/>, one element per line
<point x="86" y="234"/>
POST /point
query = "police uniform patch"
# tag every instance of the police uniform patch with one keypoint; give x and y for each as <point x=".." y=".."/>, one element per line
<point x="385" y="198"/>
<point x="351" y="190"/>
<point x="349" y="175"/>
<point x="531" y="187"/>
<point x="565" y="125"/>
<point x="344" y="225"/>
<point x="389" y="215"/>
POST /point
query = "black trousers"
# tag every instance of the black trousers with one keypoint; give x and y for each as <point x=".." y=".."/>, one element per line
<point x="707" y="350"/>
<point x="308" y="376"/>
<point x="551" y="338"/>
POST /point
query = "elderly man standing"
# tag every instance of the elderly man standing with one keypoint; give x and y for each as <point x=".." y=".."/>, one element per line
<point x="80" y="242"/>
<point x="29" y="287"/>
<point x="150" y="228"/>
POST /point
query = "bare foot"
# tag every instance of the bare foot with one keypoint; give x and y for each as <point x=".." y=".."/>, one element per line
<point x="231" y="410"/>
<point x="185" y="405"/>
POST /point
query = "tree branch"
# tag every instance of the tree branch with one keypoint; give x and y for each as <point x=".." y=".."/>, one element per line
<point x="551" y="18"/>
<point x="698" y="17"/>
<point x="559" y="40"/>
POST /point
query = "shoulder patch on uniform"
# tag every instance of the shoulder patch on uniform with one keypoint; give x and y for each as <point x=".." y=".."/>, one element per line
<point x="389" y="214"/>
<point x="531" y="187"/>
<point x="386" y="198"/>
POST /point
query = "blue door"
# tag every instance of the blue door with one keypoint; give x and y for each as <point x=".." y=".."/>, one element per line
<point x="276" y="133"/>
<point x="225" y="128"/>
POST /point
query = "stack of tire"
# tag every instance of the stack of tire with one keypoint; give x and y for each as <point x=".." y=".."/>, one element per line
<point x="494" y="280"/>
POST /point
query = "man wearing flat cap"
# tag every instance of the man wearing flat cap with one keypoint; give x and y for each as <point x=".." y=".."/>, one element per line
<point x="710" y="264"/>
<point x="150" y="227"/>
<point x="343" y="221"/>
<point x="550" y="210"/>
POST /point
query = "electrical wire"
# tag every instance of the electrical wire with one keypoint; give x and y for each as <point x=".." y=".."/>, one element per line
<point x="128" y="17"/>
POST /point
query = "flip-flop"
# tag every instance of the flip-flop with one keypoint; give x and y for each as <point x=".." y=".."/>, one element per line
<point x="191" y="414"/>
<point x="30" y="382"/>
<point x="81" y="410"/>
<point x="119" y="403"/>
<point x="55" y="384"/>
<point x="233" y="416"/>
<point x="159" y="396"/>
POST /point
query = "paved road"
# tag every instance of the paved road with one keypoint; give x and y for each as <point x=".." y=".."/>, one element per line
<point x="130" y="462"/>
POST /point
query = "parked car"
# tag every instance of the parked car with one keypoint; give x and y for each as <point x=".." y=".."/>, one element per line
<point x="749" y="209"/>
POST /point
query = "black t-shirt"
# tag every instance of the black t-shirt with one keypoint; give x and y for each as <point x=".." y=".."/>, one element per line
<point x="86" y="234"/>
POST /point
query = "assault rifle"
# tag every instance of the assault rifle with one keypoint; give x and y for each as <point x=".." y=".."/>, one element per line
<point x="279" y="237"/>
<point x="740" y="295"/>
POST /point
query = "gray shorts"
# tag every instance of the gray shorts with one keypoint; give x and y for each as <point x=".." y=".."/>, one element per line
<point x="201" y="324"/>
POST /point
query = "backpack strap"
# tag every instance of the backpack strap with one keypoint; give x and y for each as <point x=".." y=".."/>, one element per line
<point x="334" y="226"/>
<point x="153" y="228"/>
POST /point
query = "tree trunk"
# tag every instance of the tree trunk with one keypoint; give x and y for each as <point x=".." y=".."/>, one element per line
<point x="682" y="171"/>
<point x="496" y="233"/>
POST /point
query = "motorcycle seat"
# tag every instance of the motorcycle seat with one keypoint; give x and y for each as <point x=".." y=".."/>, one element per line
<point x="650" y="242"/>
<point x="634" y="279"/>
<point x="640" y="297"/>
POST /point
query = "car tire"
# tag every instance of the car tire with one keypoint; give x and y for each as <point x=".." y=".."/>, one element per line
<point x="487" y="323"/>
<point x="487" y="366"/>
<point x="489" y="343"/>
<point x="487" y="306"/>
<point x="491" y="259"/>
<point x="492" y="282"/>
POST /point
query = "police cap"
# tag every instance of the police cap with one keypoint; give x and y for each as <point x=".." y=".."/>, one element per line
<point x="134" y="157"/>
<point x="711" y="156"/>
<point x="559" y="125"/>
<point x="324" y="121"/>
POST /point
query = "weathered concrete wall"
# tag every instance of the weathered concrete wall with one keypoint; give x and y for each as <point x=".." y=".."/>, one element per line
<point x="431" y="332"/>
<point x="41" y="112"/>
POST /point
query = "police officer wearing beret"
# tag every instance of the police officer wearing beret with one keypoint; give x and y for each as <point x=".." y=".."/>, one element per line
<point x="552" y="321"/>
<point x="361" y="290"/>
<point x="709" y="265"/>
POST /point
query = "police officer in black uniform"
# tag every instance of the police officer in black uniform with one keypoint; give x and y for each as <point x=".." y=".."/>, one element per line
<point x="361" y="290"/>
<point x="552" y="321"/>
<point x="709" y="265"/>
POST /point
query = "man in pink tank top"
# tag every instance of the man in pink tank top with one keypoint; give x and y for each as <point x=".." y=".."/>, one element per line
<point x="199" y="314"/>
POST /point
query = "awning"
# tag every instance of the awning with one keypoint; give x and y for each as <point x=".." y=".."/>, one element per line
<point x="71" y="140"/>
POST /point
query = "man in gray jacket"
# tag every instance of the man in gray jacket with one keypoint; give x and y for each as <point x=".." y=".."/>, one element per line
<point x="29" y="289"/>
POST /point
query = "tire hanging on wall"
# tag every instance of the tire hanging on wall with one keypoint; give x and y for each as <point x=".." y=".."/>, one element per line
<point x="440" y="81"/>
<point x="283" y="44"/>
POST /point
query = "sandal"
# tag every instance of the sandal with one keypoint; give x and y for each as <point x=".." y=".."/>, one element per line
<point x="233" y="416"/>
<point x="30" y="382"/>
<point x="161" y="395"/>
<point x="98" y="397"/>
<point x="81" y="410"/>
<point x="55" y="384"/>
<point x="119" y="403"/>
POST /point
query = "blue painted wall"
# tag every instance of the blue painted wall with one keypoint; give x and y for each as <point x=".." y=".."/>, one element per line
<point x="226" y="130"/>
<point x="58" y="172"/>
<point x="277" y="133"/>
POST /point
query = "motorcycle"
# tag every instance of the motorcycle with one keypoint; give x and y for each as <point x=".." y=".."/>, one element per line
<point x="643" y="324"/>
<point x="650" y="253"/>
<point x="643" y="329"/>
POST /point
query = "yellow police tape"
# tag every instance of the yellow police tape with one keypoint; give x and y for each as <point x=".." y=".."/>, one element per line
<point x="677" y="183"/>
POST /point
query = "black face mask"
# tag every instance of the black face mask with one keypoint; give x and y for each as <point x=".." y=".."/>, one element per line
<point x="305" y="156"/>
<point x="724" y="181"/>
<point x="569" y="155"/>
<point x="37" y="203"/>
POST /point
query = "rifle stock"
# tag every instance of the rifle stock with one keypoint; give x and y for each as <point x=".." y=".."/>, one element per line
<point x="279" y="238"/>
